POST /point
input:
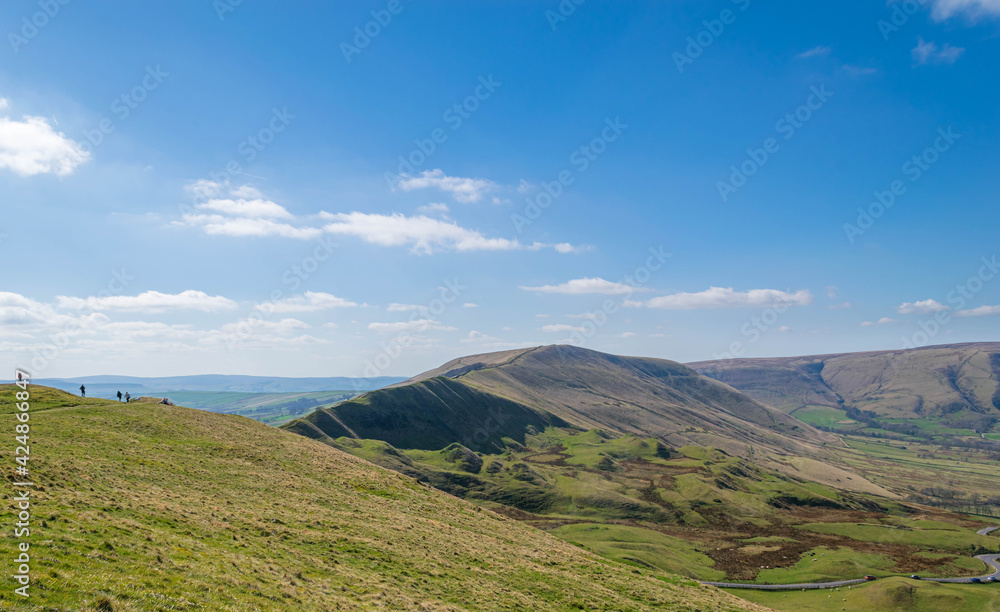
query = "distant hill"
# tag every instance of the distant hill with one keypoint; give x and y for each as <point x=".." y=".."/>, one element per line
<point x="481" y="399"/>
<point x="154" y="507"/>
<point x="107" y="386"/>
<point x="928" y="382"/>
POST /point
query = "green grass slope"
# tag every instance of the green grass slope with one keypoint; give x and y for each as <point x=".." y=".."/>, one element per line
<point x="153" y="507"/>
<point x="430" y="415"/>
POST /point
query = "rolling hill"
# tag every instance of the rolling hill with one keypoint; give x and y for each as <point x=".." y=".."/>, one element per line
<point x="930" y="382"/>
<point x="152" y="507"/>
<point x="480" y="400"/>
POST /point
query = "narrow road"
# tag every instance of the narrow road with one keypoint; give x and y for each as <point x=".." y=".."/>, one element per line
<point x="992" y="561"/>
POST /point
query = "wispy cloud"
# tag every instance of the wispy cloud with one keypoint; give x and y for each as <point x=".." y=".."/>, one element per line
<point x="930" y="53"/>
<point x="420" y="325"/>
<point x="310" y="301"/>
<point x="434" y="208"/>
<point x="240" y="211"/>
<point x="922" y="307"/>
<point x="562" y="328"/>
<point x="982" y="311"/>
<point x="820" y="51"/>
<point x="726" y="297"/>
<point x="424" y="235"/>
<point x="465" y="190"/>
<point x="882" y="321"/>
<point x="218" y="225"/>
<point x="973" y="9"/>
<point x="582" y="286"/>
<point x="150" y="301"/>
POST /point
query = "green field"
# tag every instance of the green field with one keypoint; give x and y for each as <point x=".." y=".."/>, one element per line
<point x="887" y="595"/>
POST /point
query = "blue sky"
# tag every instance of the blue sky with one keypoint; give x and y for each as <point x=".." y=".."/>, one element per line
<point x="256" y="188"/>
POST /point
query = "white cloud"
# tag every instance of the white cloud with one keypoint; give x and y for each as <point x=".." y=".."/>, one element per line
<point x="726" y="297"/>
<point x="430" y="209"/>
<point x="476" y="336"/>
<point x="31" y="146"/>
<point x="419" y="325"/>
<point x="582" y="286"/>
<point x="422" y="234"/>
<point x="470" y="305"/>
<point x="974" y="9"/>
<point x="310" y="301"/>
<point x="831" y="292"/>
<point x="243" y="211"/>
<point x="814" y="52"/>
<point x="4" y="103"/>
<point x="882" y="321"/>
<point x="627" y="335"/>
<point x="394" y="307"/>
<point x="217" y="225"/>
<point x="982" y="311"/>
<point x="930" y="53"/>
<point x="923" y="307"/>
<point x="465" y="190"/>
<point x="256" y="208"/>
<point x="561" y="328"/>
<point x="150" y="301"/>
<point x="784" y="328"/>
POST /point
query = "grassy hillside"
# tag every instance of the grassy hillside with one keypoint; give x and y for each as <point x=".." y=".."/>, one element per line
<point x="430" y="414"/>
<point x="153" y="507"/>
<point x="693" y="511"/>
<point x="497" y="394"/>
<point x="955" y="381"/>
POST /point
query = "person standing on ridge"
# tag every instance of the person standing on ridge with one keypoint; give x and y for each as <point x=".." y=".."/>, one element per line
<point x="127" y="397"/>
<point x="83" y="391"/>
<point x="119" y="396"/>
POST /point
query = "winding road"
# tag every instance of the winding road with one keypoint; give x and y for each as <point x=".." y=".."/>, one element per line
<point x="990" y="561"/>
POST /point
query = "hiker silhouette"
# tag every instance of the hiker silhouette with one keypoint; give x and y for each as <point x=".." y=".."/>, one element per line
<point x="127" y="397"/>
<point x="119" y="396"/>
<point x="83" y="391"/>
